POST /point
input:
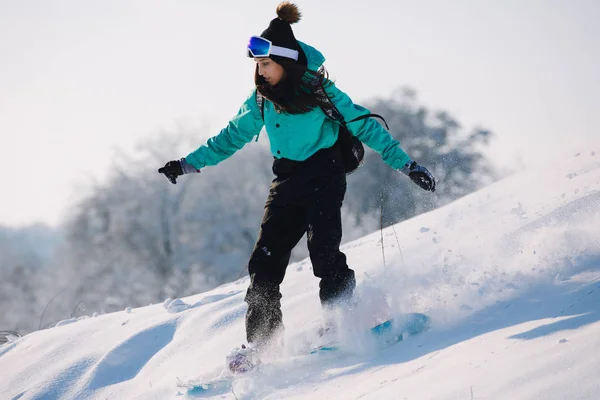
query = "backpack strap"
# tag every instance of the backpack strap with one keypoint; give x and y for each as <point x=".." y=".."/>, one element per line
<point x="260" y="102"/>
<point x="333" y="113"/>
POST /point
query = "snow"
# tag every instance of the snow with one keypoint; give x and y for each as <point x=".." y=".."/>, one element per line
<point x="510" y="276"/>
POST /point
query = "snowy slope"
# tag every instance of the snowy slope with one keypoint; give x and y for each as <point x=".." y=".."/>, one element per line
<point x="510" y="276"/>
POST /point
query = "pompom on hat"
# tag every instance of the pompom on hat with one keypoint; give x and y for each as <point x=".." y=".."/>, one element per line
<point x="280" y="31"/>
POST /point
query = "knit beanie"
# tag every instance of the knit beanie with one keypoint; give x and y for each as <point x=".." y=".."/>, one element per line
<point x="280" y="32"/>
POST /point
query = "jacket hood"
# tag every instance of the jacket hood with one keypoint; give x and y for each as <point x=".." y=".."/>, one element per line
<point x="314" y="58"/>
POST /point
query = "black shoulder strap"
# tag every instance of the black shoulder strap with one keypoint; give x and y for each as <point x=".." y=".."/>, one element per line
<point x="260" y="102"/>
<point x="333" y="113"/>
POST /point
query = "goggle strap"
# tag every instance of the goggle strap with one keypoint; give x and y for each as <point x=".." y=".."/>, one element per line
<point x="284" y="52"/>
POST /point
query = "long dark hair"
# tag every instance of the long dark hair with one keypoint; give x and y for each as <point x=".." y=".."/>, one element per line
<point x="295" y="93"/>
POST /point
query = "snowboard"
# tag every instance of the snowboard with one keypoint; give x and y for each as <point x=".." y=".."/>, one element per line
<point x="389" y="332"/>
<point x="385" y="334"/>
<point x="221" y="385"/>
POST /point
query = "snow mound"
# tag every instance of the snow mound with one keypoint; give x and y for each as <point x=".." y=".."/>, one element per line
<point x="510" y="276"/>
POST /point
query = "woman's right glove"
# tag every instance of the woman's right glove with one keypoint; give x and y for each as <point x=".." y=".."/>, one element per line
<point x="419" y="175"/>
<point x="176" y="168"/>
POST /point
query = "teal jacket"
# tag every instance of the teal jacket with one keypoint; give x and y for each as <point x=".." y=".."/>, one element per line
<point x="298" y="136"/>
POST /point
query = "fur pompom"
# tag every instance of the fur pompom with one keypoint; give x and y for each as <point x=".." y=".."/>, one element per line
<point x="288" y="12"/>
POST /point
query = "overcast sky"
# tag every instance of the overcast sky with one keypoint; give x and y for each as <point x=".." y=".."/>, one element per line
<point x="79" y="77"/>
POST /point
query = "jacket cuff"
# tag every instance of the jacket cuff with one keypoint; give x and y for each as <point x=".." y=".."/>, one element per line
<point x="187" y="168"/>
<point x="408" y="167"/>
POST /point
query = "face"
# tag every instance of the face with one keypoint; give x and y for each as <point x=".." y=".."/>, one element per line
<point x="270" y="70"/>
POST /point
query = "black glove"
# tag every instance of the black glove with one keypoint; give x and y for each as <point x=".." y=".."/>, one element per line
<point x="176" y="168"/>
<point x="419" y="175"/>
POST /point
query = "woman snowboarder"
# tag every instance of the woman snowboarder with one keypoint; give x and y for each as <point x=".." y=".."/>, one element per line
<point x="310" y="179"/>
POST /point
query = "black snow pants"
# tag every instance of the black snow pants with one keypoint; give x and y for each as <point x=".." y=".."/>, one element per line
<point x="305" y="197"/>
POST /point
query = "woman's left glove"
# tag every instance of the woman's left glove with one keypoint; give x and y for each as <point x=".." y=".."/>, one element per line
<point x="176" y="168"/>
<point x="419" y="175"/>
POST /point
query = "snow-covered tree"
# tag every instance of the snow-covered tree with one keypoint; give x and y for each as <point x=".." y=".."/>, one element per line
<point x="136" y="239"/>
<point x="434" y="139"/>
<point x="24" y="257"/>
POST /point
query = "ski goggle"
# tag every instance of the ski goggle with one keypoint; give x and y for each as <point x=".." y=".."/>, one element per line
<point x="260" y="47"/>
